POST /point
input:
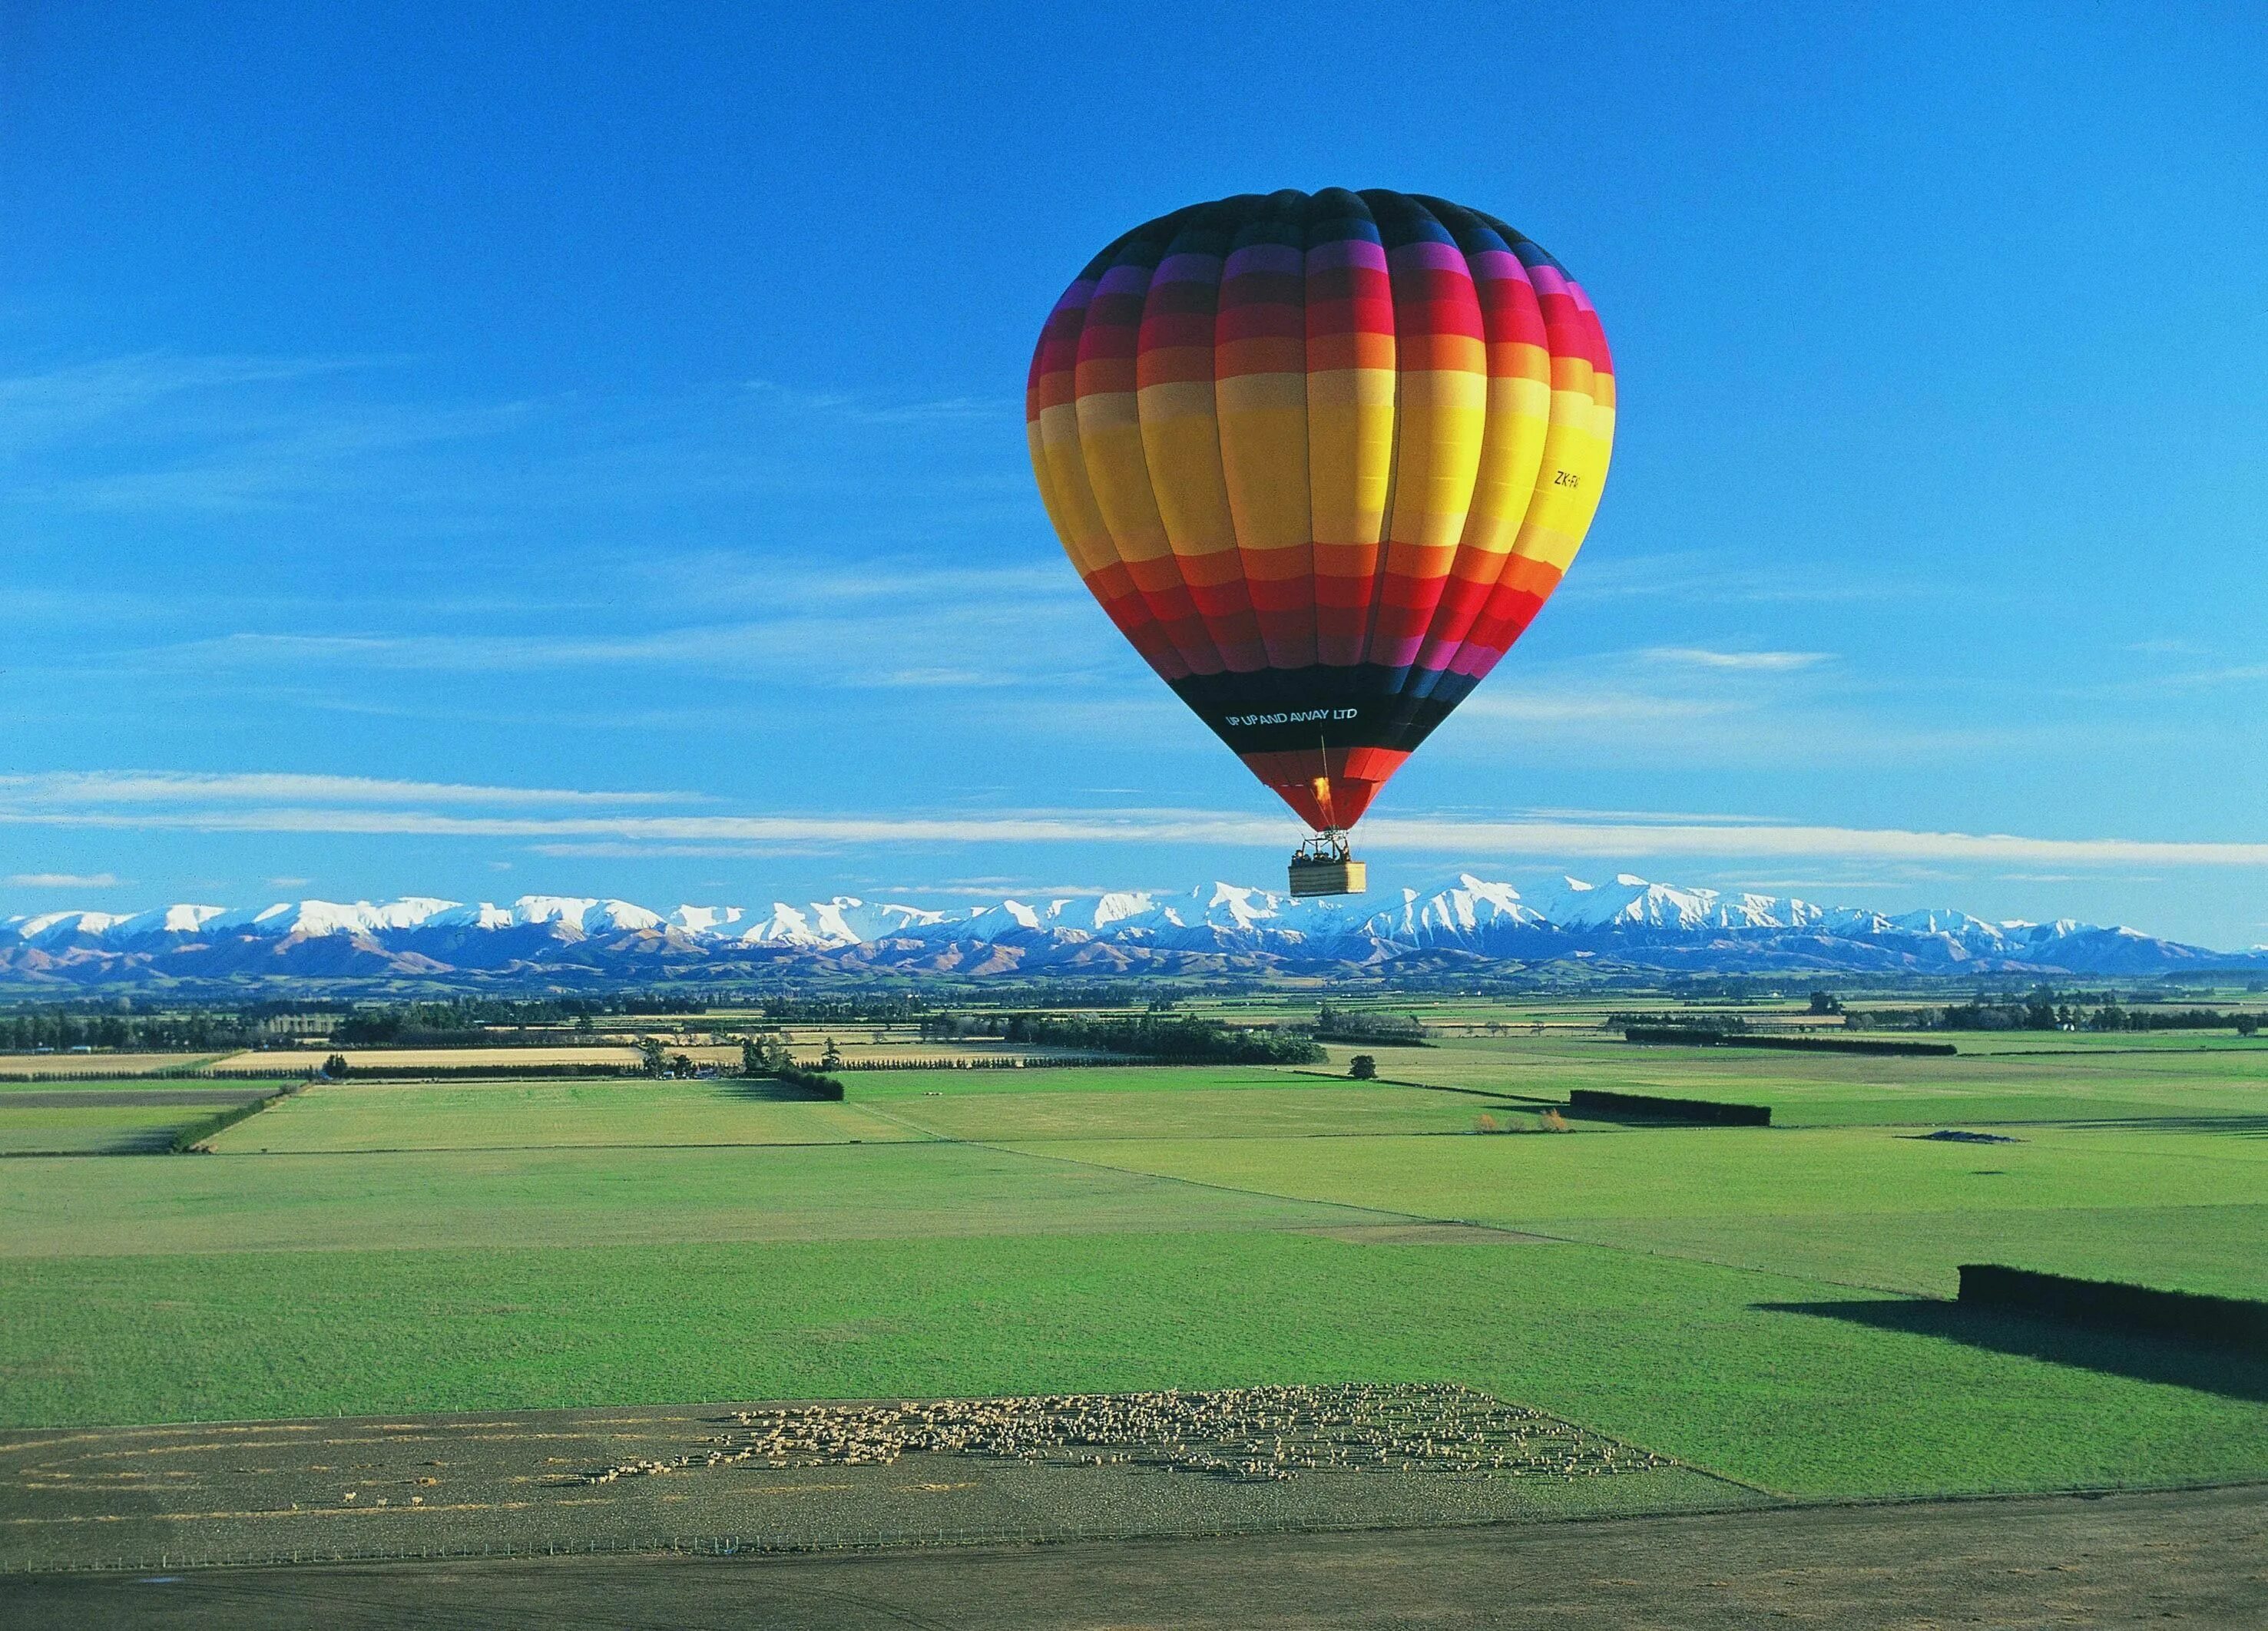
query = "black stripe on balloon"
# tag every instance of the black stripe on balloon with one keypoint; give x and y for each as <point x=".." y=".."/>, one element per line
<point x="1292" y="710"/>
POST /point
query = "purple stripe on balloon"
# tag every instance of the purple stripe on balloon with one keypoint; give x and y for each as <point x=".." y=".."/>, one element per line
<point x="1436" y="656"/>
<point x="1399" y="653"/>
<point x="1426" y="255"/>
<point x="1280" y="259"/>
<point x="1125" y="280"/>
<point x="1188" y="268"/>
<point x="1076" y="297"/>
<point x="1342" y="252"/>
<point x="1547" y="280"/>
<point x="1497" y="265"/>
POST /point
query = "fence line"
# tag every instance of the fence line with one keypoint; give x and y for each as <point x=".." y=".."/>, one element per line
<point x="309" y="1070"/>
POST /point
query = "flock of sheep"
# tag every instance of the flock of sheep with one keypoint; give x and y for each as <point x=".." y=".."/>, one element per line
<point x="1248" y="1434"/>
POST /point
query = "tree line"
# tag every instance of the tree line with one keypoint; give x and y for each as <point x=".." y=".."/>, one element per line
<point x="1367" y="1024"/>
<point x="2049" y="1010"/>
<point x="28" y="1029"/>
<point x="1182" y="1037"/>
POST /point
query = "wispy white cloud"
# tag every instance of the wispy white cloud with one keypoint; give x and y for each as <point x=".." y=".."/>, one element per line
<point x="618" y="849"/>
<point x="66" y="788"/>
<point x="840" y="650"/>
<point x="2165" y="647"/>
<point x="159" y="435"/>
<point x="156" y="433"/>
<point x="408" y="815"/>
<point x="70" y="399"/>
<point x="1617" y="710"/>
<point x="1608" y="840"/>
<point x="1708" y="576"/>
<point x="1652" y="817"/>
<point x="1105" y="827"/>
<point x="2209" y="679"/>
<point x="867" y="409"/>
<point x="736" y="580"/>
<point x="1701" y="707"/>
<point x="880" y="627"/>
<point x="62" y="880"/>
<point x="1744" y="661"/>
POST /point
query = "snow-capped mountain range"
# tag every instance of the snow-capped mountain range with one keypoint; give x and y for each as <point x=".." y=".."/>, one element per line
<point x="557" y="940"/>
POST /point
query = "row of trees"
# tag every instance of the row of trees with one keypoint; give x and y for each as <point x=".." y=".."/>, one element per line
<point x="494" y="1021"/>
<point x="1367" y="1024"/>
<point x="899" y="1008"/>
<point x="761" y="1056"/>
<point x="1726" y="1024"/>
<point x="765" y="1055"/>
<point x="1148" y="1036"/>
<point x="2047" y="1009"/>
<point x="882" y="1008"/>
<point x="28" y="1029"/>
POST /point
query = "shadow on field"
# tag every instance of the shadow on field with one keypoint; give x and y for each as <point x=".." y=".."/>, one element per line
<point x="768" y="1090"/>
<point x="2141" y="1358"/>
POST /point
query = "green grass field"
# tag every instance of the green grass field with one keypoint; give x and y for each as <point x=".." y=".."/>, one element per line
<point x="1765" y="1377"/>
<point x="1212" y="1105"/>
<point x="91" y="1129"/>
<point x="507" y="1115"/>
<point x="1863" y="1206"/>
<point x="105" y="1116"/>
<point x="1744" y="1300"/>
<point x="2045" y="1078"/>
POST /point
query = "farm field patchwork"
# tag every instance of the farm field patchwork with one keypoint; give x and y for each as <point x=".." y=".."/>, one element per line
<point x="1085" y="1080"/>
<point x="1283" y="1106"/>
<point x="92" y="1129"/>
<point x="2048" y="1082"/>
<point x="95" y="1116"/>
<point x="1670" y="1172"/>
<point x="1759" y="1197"/>
<point x="287" y="1059"/>
<point x="1794" y="1384"/>
<point x="462" y="1482"/>
<point x="353" y="1115"/>
<point x="25" y="1090"/>
<point x="568" y="1197"/>
<point x="1741" y="1299"/>
<point x="26" y="1067"/>
<point x="2221" y="1251"/>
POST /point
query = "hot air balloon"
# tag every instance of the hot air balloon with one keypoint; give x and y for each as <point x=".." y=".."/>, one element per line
<point x="1321" y="457"/>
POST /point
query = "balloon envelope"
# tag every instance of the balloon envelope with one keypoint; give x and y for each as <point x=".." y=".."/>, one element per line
<point x="1321" y="457"/>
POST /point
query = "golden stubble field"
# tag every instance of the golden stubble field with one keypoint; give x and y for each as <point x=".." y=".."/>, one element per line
<point x="33" y="1065"/>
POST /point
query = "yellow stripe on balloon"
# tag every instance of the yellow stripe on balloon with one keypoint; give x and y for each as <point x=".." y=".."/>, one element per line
<point x="1118" y="473"/>
<point x="1573" y="469"/>
<point x="1181" y="440"/>
<point x="1071" y="500"/>
<point x="1264" y="456"/>
<point x="1350" y="453"/>
<point x="1504" y="485"/>
<point x="1441" y="418"/>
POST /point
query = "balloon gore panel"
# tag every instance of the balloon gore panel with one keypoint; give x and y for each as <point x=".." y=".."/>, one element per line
<point x="1321" y="459"/>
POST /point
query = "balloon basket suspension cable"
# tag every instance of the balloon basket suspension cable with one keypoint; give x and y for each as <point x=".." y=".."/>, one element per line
<point x="1325" y="864"/>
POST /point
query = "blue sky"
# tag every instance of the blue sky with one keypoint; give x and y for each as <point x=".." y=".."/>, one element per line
<point x="475" y="451"/>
